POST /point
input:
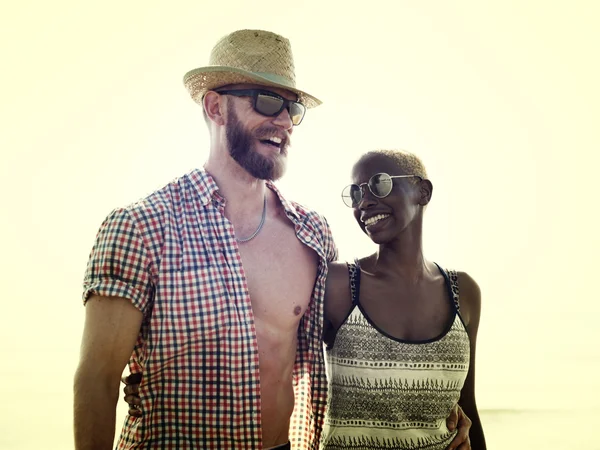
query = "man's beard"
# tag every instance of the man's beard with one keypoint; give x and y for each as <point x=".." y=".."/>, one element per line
<point x="246" y="155"/>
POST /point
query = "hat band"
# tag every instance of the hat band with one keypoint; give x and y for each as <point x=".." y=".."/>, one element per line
<point x="278" y="79"/>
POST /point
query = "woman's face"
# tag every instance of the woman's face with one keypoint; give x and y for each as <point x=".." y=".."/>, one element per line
<point x="384" y="219"/>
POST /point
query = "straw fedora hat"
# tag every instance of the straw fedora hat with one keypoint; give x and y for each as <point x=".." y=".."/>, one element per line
<point x="248" y="56"/>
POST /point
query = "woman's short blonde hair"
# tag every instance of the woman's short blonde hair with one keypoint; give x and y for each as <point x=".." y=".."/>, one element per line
<point x="408" y="162"/>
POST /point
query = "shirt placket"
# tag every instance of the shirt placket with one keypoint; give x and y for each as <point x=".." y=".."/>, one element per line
<point x="245" y="376"/>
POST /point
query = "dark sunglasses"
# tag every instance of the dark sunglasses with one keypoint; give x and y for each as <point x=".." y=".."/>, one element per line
<point x="269" y="103"/>
<point x="379" y="184"/>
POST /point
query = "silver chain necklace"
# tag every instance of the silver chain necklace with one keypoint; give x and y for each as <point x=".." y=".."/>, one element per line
<point x="260" y="225"/>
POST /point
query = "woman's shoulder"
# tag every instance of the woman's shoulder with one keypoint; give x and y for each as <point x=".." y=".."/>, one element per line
<point x="468" y="287"/>
<point x="338" y="299"/>
<point x="338" y="275"/>
<point x="337" y="278"/>
<point x="470" y="297"/>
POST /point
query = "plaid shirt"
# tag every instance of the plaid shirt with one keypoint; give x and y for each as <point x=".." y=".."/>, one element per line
<point x="174" y="254"/>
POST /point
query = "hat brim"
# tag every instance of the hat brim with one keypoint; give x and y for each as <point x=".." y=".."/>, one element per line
<point x="203" y="79"/>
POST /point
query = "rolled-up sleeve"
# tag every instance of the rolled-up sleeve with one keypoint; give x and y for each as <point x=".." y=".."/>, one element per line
<point x="119" y="264"/>
<point x="330" y="248"/>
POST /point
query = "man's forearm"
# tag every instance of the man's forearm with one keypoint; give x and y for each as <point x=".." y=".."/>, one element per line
<point x="95" y="399"/>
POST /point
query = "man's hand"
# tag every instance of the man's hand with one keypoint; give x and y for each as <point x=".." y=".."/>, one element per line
<point x="132" y="393"/>
<point x="461" y="441"/>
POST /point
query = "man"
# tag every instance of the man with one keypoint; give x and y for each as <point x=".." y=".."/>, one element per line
<point x="212" y="287"/>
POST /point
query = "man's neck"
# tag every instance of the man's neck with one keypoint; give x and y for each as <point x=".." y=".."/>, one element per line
<point x="243" y="193"/>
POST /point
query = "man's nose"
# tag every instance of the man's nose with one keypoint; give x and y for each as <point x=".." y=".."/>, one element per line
<point x="284" y="120"/>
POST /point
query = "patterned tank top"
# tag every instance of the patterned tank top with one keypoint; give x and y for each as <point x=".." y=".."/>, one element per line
<point x="389" y="393"/>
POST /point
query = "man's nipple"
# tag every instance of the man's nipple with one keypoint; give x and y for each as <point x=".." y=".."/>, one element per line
<point x="297" y="310"/>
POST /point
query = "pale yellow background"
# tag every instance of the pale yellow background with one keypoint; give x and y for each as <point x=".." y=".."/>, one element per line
<point x="501" y="99"/>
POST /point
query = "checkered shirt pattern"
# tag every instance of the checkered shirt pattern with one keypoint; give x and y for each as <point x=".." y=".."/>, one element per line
<point x="174" y="255"/>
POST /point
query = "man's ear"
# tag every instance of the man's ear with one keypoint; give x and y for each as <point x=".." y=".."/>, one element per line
<point x="214" y="106"/>
<point x="425" y="192"/>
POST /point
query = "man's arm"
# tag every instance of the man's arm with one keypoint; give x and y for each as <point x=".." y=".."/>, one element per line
<point x="111" y="329"/>
<point x="459" y="420"/>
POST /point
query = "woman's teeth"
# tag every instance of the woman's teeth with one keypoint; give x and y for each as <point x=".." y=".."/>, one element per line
<point x="373" y="220"/>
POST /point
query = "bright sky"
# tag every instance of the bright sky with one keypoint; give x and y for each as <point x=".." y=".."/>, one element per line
<point x="499" y="98"/>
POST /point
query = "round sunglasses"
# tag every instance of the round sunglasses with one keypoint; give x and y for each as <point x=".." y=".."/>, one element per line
<point x="379" y="184"/>
<point x="269" y="103"/>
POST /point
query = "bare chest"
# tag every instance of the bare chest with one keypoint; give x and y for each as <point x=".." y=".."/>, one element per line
<point x="280" y="274"/>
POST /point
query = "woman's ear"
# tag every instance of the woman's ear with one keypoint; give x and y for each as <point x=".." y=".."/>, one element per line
<point x="425" y="191"/>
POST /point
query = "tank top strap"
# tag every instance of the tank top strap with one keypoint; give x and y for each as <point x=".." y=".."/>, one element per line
<point x="452" y="280"/>
<point x="354" y="273"/>
<point x="453" y="276"/>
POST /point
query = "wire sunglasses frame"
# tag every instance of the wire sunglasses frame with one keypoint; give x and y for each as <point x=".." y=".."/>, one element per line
<point x="379" y="184"/>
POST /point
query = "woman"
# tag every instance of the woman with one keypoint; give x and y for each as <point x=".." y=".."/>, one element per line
<point x="400" y="330"/>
